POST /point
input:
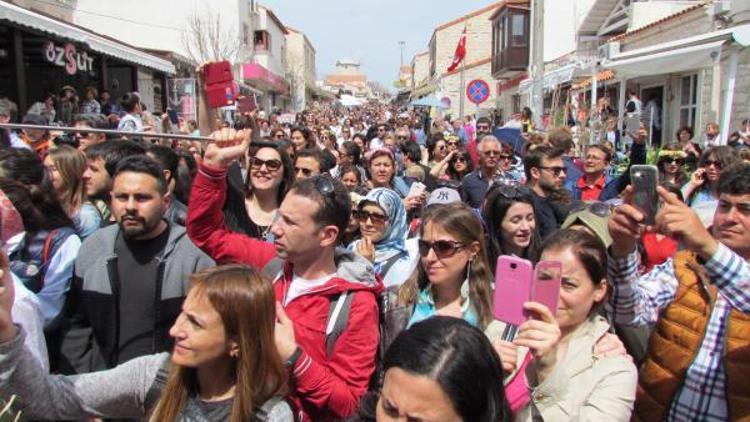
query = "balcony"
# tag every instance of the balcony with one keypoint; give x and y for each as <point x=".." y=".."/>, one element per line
<point x="510" y="42"/>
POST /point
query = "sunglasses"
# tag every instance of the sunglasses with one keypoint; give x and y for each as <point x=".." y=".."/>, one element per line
<point x="506" y="157"/>
<point x="714" y="163"/>
<point x="323" y="184"/>
<point x="599" y="209"/>
<point x="459" y="159"/>
<point x="378" y="219"/>
<point x="492" y="153"/>
<point x="678" y="161"/>
<point x="512" y="192"/>
<point x="452" y="143"/>
<point x="442" y="248"/>
<point x="555" y="170"/>
<point x="272" y="164"/>
<point x="483" y="127"/>
<point x="82" y="134"/>
<point x="402" y="138"/>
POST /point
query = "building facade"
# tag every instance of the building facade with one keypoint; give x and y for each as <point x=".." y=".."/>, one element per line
<point x="347" y="80"/>
<point x="301" y="71"/>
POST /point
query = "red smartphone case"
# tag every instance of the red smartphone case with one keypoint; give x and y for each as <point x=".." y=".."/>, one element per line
<point x="220" y="88"/>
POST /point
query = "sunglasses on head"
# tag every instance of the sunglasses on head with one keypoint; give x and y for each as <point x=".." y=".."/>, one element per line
<point x="512" y="192"/>
<point x="376" y="218"/>
<point x="442" y="248"/>
<point x="272" y="164"/>
<point x="599" y="209"/>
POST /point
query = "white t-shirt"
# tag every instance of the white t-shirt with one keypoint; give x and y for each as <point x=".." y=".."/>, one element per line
<point x="300" y="286"/>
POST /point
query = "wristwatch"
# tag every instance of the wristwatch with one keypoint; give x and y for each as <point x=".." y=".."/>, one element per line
<point x="293" y="358"/>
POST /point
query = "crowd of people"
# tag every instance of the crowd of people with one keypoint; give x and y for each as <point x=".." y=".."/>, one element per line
<point x="344" y="268"/>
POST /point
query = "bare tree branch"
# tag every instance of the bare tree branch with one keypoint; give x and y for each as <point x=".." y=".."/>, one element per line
<point x="204" y="39"/>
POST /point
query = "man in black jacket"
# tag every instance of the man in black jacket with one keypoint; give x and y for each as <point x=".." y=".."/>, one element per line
<point x="545" y="175"/>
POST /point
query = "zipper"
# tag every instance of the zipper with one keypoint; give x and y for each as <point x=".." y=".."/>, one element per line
<point x="157" y="298"/>
<point x="114" y="282"/>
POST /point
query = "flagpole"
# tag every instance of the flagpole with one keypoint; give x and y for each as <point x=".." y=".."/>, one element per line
<point x="461" y="94"/>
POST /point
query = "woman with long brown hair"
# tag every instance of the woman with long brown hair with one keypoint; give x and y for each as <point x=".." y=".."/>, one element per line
<point x="65" y="166"/>
<point x="224" y="366"/>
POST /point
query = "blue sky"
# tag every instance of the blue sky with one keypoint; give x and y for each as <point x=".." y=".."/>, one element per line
<point x="369" y="30"/>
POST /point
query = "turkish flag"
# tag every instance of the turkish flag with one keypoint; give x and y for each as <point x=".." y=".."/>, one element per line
<point x="460" y="53"/>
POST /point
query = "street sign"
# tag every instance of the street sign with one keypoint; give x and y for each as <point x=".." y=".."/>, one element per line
<point x="477" y="91"/>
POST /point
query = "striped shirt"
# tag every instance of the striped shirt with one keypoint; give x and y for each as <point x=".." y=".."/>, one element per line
<point x="641" y="300"/>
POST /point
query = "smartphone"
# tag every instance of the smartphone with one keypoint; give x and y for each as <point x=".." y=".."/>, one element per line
<point x="246" y="104"/>
<point x="173" y="116"/>
<point x="513" y="281"/>
<point x="644" y="179"/>
<point x="220" y="88"/>
<point x="416" y="188"/>
<point x="546" y="285"/>
<point x="217" y="73"/>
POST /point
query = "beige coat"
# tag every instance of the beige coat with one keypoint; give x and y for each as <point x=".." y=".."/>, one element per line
<point x="582" y="387"/>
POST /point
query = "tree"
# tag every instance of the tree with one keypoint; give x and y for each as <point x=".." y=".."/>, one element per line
<point x="206" y="39"/>
<point x="295" y="75"/>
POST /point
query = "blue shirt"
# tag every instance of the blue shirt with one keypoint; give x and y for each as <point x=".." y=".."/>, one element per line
<point x="425" y="308"/>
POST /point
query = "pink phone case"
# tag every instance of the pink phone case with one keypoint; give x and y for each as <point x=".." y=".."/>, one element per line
<point x="546" y="286"/>
<point x="513" y="280"/>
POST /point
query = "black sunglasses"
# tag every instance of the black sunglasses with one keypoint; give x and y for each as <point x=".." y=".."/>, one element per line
<point x="458" y="158"/>
<point x="323" y="184"/>
<point x="362" y="215"/>
<point x="82" y="134"/>
<point x="709" y="163"/>
<point x="555" y="170"/>
<point x="599" y="209"/>
<point x="511" y="191"/>
<point x="272" y="164"/>
<point x="442" y="248"/>
<point x="678" y="161"/>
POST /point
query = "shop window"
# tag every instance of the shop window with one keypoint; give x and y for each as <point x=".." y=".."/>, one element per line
<point x="688" y="100"/>
<point x="262" y="41"/>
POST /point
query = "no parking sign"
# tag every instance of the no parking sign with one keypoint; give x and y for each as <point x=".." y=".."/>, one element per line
<point x="478" y="91"/>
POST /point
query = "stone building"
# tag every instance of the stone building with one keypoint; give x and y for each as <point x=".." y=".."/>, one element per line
<point x="476" y="64"/>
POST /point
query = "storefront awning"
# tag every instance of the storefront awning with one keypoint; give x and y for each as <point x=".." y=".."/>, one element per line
<point x="24" y="17"/>
<point x="262" y="78"/>
<point x="676" y="60"/>
<point x="552" y="78"/>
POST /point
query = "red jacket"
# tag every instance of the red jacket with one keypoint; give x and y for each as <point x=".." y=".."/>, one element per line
<point x="322" y="387"/>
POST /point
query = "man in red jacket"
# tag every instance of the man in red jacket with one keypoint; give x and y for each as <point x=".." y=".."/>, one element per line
<point x="327" y="376"/>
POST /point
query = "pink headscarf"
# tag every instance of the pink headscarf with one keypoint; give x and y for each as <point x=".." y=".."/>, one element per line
<point x="11" y="222"/>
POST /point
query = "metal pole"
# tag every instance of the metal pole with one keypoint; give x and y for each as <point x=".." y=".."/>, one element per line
<point x="107" y="132"/>
<point x="537" y="61"/>
<point x="461" y="94"/>
<point x="592" y="113"/>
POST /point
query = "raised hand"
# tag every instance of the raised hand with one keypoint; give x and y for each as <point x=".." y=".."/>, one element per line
<point x="625" y="225"/>
<point x="227" y="146"/>
<point x="366" y="249"/>
<point x="7" y="295"/>
<point x="679" y="222"/>
<point x="541" y="335"/>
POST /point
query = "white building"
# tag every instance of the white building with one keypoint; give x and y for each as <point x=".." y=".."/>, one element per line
<point x="301" y="69"/>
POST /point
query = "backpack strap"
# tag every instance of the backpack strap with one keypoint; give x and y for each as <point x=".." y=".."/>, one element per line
<point x="389" y="263"/>
<point x="261" y="415"/>
<point x="338" y="317"/>
<point x="272" y="269"/>
<point x="153" y="393"/>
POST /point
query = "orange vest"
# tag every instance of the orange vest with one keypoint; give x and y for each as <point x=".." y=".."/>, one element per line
<point x="678" y="336"/>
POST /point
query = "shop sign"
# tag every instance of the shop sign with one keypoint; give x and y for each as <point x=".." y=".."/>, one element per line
<point x="68" y="57"/>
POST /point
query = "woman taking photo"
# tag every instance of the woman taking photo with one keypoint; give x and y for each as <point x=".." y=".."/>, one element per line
<point x="224" y="367"/>
<point x="270" y="176"/>
<point x="65" y="166"/>
<point x="383" y="227"/>
<point x="558" y="375"/>
<point x="441" y="369"/>
<point x="508" y="213"/>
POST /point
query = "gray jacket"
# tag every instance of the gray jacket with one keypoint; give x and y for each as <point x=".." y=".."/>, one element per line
<point x="91" y="335"/>
<point x="120" y="392"/>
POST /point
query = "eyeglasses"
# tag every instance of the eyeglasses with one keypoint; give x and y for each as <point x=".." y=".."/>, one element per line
<point x="483" y="127"/>
<point x="510" y="191"/>
<point x="492" y="153"/>
<point x="279" y="136"/>
<point x="442" y="248"/>
<point x="709" y="163"/>
<point x="452" y="143"/>
<point x="506" y="157"/>
<point x="272" y="164"/>
<point x="402" y="138"/>
<point x="599" y="209"/>
<point x="461" y="159"/>
<point x="555" y="170"/>
<point x="82" y="134"/>
<point x="378" y="219"/>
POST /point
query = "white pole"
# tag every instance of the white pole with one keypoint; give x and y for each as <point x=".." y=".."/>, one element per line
<point x="726" y="110"/>
<point x="537" y="61"/>
<point x="461" y="94"/>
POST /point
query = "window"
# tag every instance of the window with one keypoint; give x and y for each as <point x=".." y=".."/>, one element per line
<point x="262" y="41"/>
<point x="688" y="100"/>
<point x="519" y="29"/>
<point x="517" y="103"/>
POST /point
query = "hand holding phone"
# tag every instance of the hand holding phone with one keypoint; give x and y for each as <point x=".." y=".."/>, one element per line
<point x="644" y="179"/>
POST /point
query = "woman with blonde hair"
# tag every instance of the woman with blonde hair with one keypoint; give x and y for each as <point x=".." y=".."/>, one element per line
<point x="65" y="166"/>
<point x="224" y="366"/>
